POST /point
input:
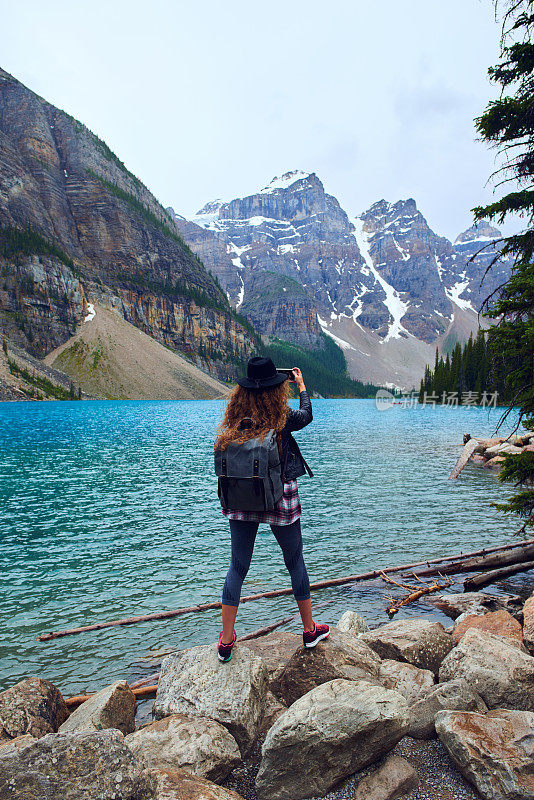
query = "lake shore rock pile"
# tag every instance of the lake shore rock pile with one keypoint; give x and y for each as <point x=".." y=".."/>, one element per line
<point x="489" y="453"/>
<point x="280" y="722"/>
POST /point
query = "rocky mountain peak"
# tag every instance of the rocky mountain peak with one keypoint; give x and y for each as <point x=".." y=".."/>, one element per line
<point x="384" y="285"/>
<point x="479" y="232"/>
<point x="397" y="216"/>
<point x="288" y="179"/>
<point x="212" y="207"/>
<point x="296" y="196"/>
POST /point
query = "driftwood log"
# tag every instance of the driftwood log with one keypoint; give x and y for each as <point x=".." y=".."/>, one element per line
<point x="465" y="455"/>
<point x="394" y="606"/>
<point x="267" y="629"/>
<point x="148" y="681"/>
<point x="77" y="700"/>
<point x="486" y="578"/>
<point x="97" y="626"/>
<point x="523" y="553"/>
<point x="414" y="592"/>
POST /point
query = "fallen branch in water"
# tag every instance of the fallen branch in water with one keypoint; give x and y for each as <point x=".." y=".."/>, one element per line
<point x="485" y="578"/>
<point x="148" y="681"/>
<point x="267" y="629"/>
<point x="97" y="626"/>
<point x="524" y="552"/>
<point x="77" y="700"/>
<point x="410" y="598"/>
<point x="387" y="579"/>
<point x="465" y="455"/>
<point x="415" y="592"/>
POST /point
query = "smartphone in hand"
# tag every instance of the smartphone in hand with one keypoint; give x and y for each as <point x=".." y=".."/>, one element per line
<point x="286" y="371"/>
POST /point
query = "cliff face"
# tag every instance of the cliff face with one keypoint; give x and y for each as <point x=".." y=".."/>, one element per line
<point x="41" y="301"/>
<point x="279" y="306"/>
<point x="64" y="182"/>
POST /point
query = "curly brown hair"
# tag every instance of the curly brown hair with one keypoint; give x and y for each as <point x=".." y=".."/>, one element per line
<point x="266" y="408"/>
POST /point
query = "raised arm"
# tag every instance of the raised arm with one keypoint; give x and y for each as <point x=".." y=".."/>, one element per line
<point x="298" y="419"/>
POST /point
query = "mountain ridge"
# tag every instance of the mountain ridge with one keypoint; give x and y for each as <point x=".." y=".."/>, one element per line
<point x="286" y="262"/>
<point x="114" y="243"/>
<point x="373" y="279"/>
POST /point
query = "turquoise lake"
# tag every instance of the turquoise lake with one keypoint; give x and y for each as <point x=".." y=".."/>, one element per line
<point x="109" y="509"/>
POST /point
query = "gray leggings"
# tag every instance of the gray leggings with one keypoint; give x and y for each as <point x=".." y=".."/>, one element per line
<point x="243" y="537"/>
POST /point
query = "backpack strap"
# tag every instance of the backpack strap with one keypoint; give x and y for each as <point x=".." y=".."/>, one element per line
<point x="306" y="465"/>
<point x="283" y="473"/>
<point x="223" y="480"/>
<point x="256" y="476"/>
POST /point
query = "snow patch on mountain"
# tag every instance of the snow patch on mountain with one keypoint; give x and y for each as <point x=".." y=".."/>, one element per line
<point x="284" y="181"/>
<point x="454" y="292"/>
<point x="396" y="307"/>
<point x="241" y="294"/>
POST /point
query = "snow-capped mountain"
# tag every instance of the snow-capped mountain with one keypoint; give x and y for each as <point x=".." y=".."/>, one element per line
<point x="383" y="284"/>
<point x="474" y="250"/>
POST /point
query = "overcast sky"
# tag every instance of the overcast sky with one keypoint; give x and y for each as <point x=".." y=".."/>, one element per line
<point x="213" y="99"/>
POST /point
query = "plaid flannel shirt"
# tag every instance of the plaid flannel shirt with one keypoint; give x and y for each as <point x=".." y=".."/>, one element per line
<point x="287" y="510"/>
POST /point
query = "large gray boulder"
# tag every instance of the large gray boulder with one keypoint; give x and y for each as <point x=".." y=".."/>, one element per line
<point x="233" y="693"/>
<point x="410" y="681"/>
<point x="352" y="622"/>
<point x="500" y="623"/>
<point x="33" y="706"/>
<point x="394" y="778"/>
<point x="502" y="449"/>
<point x="336" y="729"/>
<point x="528" y="623"/>
<point x="275" y="650"/>
<point x="19" y="741"/>
<point x="340" y="656"/>
<point x="274" y="708"/>
<point x="69" y="766"/>
<point x="417" y="641"/>
<point x="455" y="695"/>
<point x="494" y="751"/>
<point x="178" y="784"/>
<point x="453" y="605"/>
<point x="111" y="707"/>
<point x="197" y="744"/>
<point x="501" y="673"/>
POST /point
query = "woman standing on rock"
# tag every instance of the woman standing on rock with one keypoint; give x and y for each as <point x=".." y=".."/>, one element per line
<point x="256" y="406"/>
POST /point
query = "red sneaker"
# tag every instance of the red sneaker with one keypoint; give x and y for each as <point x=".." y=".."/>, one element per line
<point x="225" y="650"/>
<point x="318" y="632"/>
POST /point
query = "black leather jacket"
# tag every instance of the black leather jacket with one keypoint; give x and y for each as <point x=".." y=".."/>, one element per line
<point x="296" y="419"/>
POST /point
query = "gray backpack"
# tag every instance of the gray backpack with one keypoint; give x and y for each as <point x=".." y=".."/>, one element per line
<point x="249" y="474"/>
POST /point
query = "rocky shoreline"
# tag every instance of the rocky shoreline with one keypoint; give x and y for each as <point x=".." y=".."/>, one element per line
<point x="489" y="453"/>
<point x="408" y="709"/>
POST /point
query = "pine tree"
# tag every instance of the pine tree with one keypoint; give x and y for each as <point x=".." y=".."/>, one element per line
<point x="507" y="124"/>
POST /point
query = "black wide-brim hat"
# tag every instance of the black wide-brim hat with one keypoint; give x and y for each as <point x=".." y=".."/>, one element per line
<point x="262" y="374"/>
